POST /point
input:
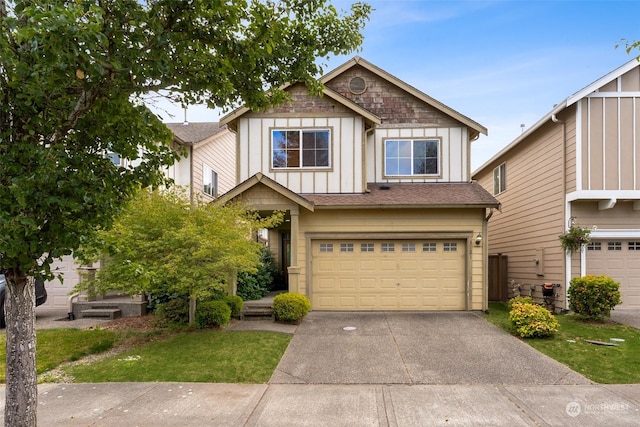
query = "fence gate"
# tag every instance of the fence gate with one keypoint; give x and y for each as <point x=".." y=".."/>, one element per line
<point x="498" y="277"/>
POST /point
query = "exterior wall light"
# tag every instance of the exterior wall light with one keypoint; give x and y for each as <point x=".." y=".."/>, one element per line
<point x="478" y="239"/>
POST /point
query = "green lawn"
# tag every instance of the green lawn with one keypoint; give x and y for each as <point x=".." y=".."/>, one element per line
<point x="160" y="355"/>
<point x="55" y="346"/>
<point x="199" y="356"/>
<point x="602" y="364"/>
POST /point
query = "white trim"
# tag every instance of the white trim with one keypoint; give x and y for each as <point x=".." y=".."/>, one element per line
<point x="588" y="145"/>
<point x="615" y="234"/>
<point x="618" y="94"/>
<point x="603" y="195"/>
<point x="604" y="145"/>
<point x="583" y="261"/>
<point x="579" y="147"/>
<point x="567" y="258"/>
<point x="619" y="143"/>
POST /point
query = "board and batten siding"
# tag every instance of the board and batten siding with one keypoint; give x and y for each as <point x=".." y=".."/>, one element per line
<point x="453" y="156"/>
<point x="532" y="206"/>
<point x="609" y="145"/>
<point x="343" y="176"/>
<point x="401" y="223"/>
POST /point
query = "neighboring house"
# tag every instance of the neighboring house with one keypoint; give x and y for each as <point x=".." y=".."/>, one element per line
<point x="579" y="164"/>
<point x="207" y="169"/>
<point x="374" y="178"/>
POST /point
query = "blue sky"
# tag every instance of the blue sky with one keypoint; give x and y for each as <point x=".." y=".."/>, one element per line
<point x="500" y="63"/>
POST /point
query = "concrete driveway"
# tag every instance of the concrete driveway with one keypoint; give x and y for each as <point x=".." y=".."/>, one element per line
<point x="412" y="348"/>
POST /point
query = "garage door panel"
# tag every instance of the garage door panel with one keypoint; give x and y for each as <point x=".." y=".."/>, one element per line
<point x="622" y="265"/>
<point x="403" y="278"/>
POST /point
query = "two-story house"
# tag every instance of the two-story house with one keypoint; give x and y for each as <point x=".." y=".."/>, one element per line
<point x="374" y="177"/>
<point x="579" y="164"/>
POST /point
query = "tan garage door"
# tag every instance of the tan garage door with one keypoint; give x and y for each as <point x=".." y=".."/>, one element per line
<point x="388" y="275"/>
<point x="620" y="260"/>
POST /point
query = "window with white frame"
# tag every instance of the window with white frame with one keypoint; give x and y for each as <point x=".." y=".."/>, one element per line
<point x="407" y="157"/>
<point x="300" y="148"/>
<point x="500" y="179"/>
<point x="209" y="181"/>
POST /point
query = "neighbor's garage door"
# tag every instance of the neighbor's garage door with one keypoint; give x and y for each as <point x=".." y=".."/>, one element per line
<point x="388" y="275"/>
<point x="619" y="260"/>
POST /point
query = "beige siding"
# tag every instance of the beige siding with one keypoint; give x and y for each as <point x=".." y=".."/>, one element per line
<point x="571" y="150"/>
<point x="401" y="224"/>
<point x="219" y="154"/>
<point x="532" y="213"/>
<point x="345" y="173"/>
<point x="620" y="217"/>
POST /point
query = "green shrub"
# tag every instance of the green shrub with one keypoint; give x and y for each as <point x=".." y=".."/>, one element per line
<point x="291" y="306"/>
<point x="593" y="296"/>
<point x="173" y="312"/>
<point x="532" y="321"/>
<point x="212" y="313"/>
<point x="521" y="300"/>
<point x="253" y="286"/>
<point x="235" y="303"/>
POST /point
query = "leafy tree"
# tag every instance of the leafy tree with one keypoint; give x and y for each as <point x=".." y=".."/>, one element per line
<point x="72" y="76"/>
<point x="163" y="242"/>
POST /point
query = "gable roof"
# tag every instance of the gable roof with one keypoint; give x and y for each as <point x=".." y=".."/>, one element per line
<point x="475" y="127"/>
<point x="192" y="133"/>
<point x="326" y="92"/>
<point x="567" y="102"/>
<point x="357" y="60"/>
<point x="259" y="178"/>
<point x="410" y="195"/>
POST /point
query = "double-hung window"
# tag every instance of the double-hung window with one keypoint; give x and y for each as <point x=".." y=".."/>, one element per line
<point x="300" y="148"/>
<point x="406" y="157"/>
<point x="209" y="181"/>
<point x="500" y="179"/>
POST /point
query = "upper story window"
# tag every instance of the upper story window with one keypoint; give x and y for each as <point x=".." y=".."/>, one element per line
<point x="407" y="157"/>
<point x="300" y="148"/>
<point x="500" y="179"/>
<point x="209" y="181"/>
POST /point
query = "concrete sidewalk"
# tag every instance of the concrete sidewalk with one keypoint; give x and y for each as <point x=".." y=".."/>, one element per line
<point x="196" y="404"/>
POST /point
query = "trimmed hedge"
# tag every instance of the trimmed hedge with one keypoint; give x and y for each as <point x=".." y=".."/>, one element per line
<point x="532" y="321"/>
<point x="290" y="306"/>
<point x="235" y="303"/>
<point x="212" y="313"/>
<point x="594" y="296"/>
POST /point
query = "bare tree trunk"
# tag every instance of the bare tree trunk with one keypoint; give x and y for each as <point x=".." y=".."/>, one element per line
<point x="22" y="382"/>
<point x="192" y="310"/>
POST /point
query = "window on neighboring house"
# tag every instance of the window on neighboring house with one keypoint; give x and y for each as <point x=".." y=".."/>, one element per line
<point x="209" y="181"/>
<point x="500" y="179"/>
<point x="407" y="157"/>
<point x="301" y="148"/>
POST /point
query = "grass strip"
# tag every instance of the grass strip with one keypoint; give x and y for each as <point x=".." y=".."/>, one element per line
<point x="198" y="356"/>
<point x="601" y="364"/>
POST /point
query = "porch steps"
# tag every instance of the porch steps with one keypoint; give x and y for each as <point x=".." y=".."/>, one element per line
<point x="257" y="310"/>
<point x="110" y="312"/>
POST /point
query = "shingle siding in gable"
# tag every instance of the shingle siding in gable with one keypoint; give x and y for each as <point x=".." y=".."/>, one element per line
<point x="389" y="102"/>
<point x="304" y="104"/>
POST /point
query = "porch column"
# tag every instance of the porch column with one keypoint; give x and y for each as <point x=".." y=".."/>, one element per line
<point x="294" y="269"/>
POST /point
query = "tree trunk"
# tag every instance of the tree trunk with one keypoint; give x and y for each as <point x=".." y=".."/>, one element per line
<point x="22" y="382"/>
<point x="192" y="311"/>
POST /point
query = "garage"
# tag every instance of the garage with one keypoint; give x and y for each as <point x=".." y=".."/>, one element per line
<point x="620" y="260"/>
<point x="388" y="274"/>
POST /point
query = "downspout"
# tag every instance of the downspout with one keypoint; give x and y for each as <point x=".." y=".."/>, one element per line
<point x="191" y="192"/>
<point x="566" y="206"/>
<point x="485" y="260"/>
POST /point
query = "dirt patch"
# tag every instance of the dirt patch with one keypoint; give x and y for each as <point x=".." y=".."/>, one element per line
<point x="139" y="324"/>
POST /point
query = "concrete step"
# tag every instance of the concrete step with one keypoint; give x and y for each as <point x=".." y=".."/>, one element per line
<point x="111" y="313"/>
<point x="256" y="312"/>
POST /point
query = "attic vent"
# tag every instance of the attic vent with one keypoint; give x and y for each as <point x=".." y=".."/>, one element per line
<point x="357" y="85"/>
